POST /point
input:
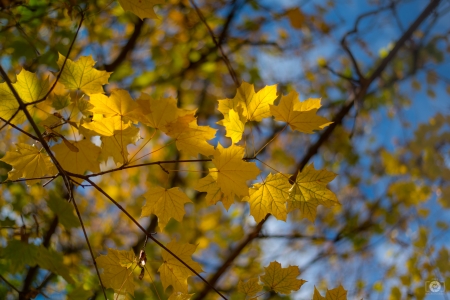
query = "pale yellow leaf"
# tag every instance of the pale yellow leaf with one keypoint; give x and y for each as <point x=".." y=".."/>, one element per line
<point x="269" y="197"/>
<point x="29" y="87"/>
<point x="78" y="162"/>
<point x="172" y="271"/>
<point x="117" y="271"/>
<point x="232" y="171"/>
<point x="106" y="126"/>
<point x="209" y="185"/>
<point x="193" y="139"/>
<point x="180" y="296"/>
<point x="258" y="106"/>
<point x="80" y="75"/>
<point x="119" y="103"/>
<point x="165" y="204"/>
<point x="310" y="190"/>
<point x="234" y="126"/>
<point x="28" y="162"/>
<point x="300" y="116"/>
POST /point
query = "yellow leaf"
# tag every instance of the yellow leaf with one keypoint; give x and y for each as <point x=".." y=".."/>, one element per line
<point x="301" y="116"/>
<point x="269" y="197"/>
<point x="106" y="126"/>
<point x="336" y="294"/>
<point x="117" y="271"/>
<point x="258" y="105"/>
<point x="28" y="162"/>
<point x="29" y="87"/>
<point x="317" y="295"/>
<point x="310" y="190"/>
<point x="180" y="296"/>
<point x="165" y="204"/>
<point x="78" y="162"/>
<point x="192" y="139"/>
<point x="116" y="146"/>
<point x="232" y="171"/>
<point x="9" y="105"/>
<point x="81" y="75"/>
<point x="209" y="185"/>
<point x="172" y="271"/>
<point x="282" y="280"/>
<point x="234" y="126"/>
<point x="141" y="8"/>
<point x="158" y="113"/>
<point x="119" y="103"/>
<point x="250" y="288"/>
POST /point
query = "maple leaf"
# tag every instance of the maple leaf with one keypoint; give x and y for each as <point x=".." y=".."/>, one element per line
<point x="119" y="103"/>
<point x="245" y="106"/>
<point x="269" y="197"/>
<point x="250" y="288"/>
<point x="300" y="116"/>
<point x="63" y="210"/>
<point x="28" y="162"/>
<point x="234" y="126"/>
<point x="165" y="203"/>
<point x="86" y="159"/>
<point x="209" y="185"/>
<point x="81" y="75"/>
<point x="180" y="296"/>
<point x="106" y="126"/>
<point x="335" y="294"/>
<point x="309" y="190"/>
<point x="29" y="87"/>
<point x="232" y="171"/>
<point x="117" y="272"/>
<point x="172" y="271"/>
<point x="158" y="113"/>
<point x="282" y="280"/>
<point x="192" y="138"/>
<point x="116" y="146"/>
<point x="141" y="8"/>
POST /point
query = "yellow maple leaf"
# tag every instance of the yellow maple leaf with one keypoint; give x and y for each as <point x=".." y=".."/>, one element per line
<point x="232" y="171"/>
<point x="106" y="126"/>
<point x="282" y="280"/>
<point x="269" y="197"/>
<point x="180" y="296"/>
<point x="250" y="288"/>
<point x="29" y="87"/>
<point x="28" y="162"/>
<point x="86" y="159"/>
<point x="300" y="116"/>
<point x="115" y="146"/>
<point x="192" y="139"/>
<point x="80" y="75"/>
<point x="117" y="271"/>
<point x="165" y="204"/>
<point x="234" y="126"/>
<point x="141" y="8"/>
<point x="258" y="106"/>
<point x="209" y="185"/>
<point x="172" y="271"/>
<point x="158" y="113"/>
<point x="335" y="294"/>
<point x="310" y="190"/>
<point x="119" y="103"/>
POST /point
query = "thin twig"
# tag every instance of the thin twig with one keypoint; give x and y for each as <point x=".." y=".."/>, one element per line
<point x="147" y="233"/>
<point x="8" y="283"/>
<point x="219" y="45"/>
<point x="8" y="122"/>
<point x="20" y="129"/>
<point x="89" y="245"/>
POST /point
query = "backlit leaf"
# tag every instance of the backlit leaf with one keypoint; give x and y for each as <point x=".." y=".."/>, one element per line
<point x="250" y="288"/>
<point x="141" y="8"/>
<point x="80" y="75"/>
<point x="28" y="162"/>
<point x="172" y="271"/>
<point x="282" y="280"/>
<point x="78" y="162"/>
<point x="165" y="203"/>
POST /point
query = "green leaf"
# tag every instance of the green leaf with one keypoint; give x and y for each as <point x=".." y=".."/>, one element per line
<point x="19" y="254"/>
<point x="63" y="210"/>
